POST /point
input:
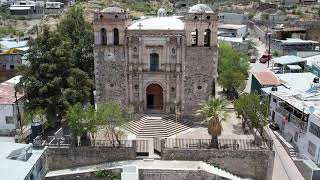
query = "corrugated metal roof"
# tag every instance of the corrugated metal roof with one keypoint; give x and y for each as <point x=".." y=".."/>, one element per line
<point x="289" y="59"/>
<point x="267" y="78"/>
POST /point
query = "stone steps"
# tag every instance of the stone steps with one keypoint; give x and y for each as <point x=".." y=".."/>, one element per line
<point x="155" y="125"/>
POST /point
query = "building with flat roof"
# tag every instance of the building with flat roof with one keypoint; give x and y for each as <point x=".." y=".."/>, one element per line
<point x="295" y="107"/>
<point x="289" y="63"/>
<point x="232" y="30"/>
<point x="22" y="161"/>
<point x="292" y="45"/>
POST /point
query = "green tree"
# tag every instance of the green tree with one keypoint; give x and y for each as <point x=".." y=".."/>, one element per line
<point x="112" y="116"/>
<point x="213" y="112"/>
<point x="51" y="81"/>
<point x="253" y="110"/>
<point x="80" y="32"/>
<point x="81" y="121"/>
<point x="233" y="69"/>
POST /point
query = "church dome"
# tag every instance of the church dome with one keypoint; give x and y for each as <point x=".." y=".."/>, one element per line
<point x="200" y="8"/>
<point x="113" y="10"/>
<point x="162" y="12"/>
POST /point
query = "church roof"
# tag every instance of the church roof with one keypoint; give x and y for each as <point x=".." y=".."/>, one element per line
<point x="200" y="8"/>
<point x="113" y="10"/>
<point x="158" y="23"/>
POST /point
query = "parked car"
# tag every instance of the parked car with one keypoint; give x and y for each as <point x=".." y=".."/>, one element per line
<point x="253" y="59"/>
<point x="265" y="58"/>
<point x="274" y="126"/>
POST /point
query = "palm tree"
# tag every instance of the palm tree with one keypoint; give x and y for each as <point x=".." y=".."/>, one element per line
<point x="213" y="112"/>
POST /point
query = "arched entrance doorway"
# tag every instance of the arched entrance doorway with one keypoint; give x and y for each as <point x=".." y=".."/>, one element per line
<point x="154" y="97"/>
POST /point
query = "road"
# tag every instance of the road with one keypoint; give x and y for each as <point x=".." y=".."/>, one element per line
<point x="283" y="168"/>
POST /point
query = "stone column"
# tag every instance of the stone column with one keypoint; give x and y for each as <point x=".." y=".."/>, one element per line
<point x="97" y="38"/>
<point x="183" y="54"/>
<point x="201" y="36"/>
<point x="109" y="38"/>
<point x="141" y="95"/>
<point x="130" y="89"/>
<point x="167" y="54"/>
<point x="167" y="103"/>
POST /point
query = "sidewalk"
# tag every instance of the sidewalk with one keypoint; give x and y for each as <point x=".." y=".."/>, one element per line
<point x="284" y="167"/>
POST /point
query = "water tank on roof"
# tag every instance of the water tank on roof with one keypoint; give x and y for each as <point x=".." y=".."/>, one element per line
<point x="36" y="129"/>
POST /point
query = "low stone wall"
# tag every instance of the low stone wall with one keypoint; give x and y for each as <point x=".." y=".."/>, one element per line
<point x="83" y="176"/>
<point x="68" y="157"/>
<point x="154" y="174"/>
<point x="256" y="164"/>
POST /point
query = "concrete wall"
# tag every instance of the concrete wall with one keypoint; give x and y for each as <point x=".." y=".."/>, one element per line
<point x="83" y="176"/>
<point x="61" y="158"/>
<point x="248" y="164"/>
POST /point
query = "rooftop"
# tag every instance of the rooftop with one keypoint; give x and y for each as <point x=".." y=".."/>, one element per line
<point x="288" y="59"/>
<point x="298" y="90"/>
<point x="7" y="91"/>
<point x="15" y="169"/>
<point x="296" y="41"/>
<point x="312" y="59"/>
<point x="231" y="26"/>
<point x="267" y="78"/>
<point x="158" y="23"/>
<point x="4" y="45"/>
<point x="113" y="10"/>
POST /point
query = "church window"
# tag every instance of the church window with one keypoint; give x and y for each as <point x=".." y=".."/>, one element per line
<point x="103" y="36"/>
<point x="194" y="36"/>
<point x="101" y="17"/>
<point x="135" y="49"/>
<point x="154" y="62"/>
<point x="172" y="89"/>
<point x="173" y="51"/>
<point x="195" y="17"/>
<point x="111" y="85"/>
<point x="199" y="87"/>
<point x="208" y="17"/>
<point x="115" y="36"/>
<point x="116" y="16"/>
<point x="207" y="37"/>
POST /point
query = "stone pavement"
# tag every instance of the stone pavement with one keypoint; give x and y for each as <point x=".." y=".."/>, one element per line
<point x="284" y="167"/>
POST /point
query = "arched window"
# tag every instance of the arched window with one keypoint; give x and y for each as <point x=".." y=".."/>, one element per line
<point x="115" y="36"/>
<point x="207" y="37"/>
<point x="103" y="36"/>
<point x="194" y="36"/>
<point x="154" y="62"/>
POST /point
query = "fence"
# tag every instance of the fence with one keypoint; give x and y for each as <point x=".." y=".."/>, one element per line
<point x="228" y="144"/>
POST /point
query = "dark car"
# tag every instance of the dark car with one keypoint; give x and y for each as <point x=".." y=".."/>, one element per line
<point x="265" y="58"/>
<point x="274" y="126"/>
<point x="253" y="59"/>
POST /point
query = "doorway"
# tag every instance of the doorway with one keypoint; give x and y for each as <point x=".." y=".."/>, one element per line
<point x="154" y="95"/>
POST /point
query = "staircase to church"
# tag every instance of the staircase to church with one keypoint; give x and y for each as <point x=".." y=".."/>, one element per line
<point x="156" y="125"/>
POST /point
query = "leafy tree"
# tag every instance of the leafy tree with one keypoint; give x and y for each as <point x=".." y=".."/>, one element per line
<point x="81" y="121"/>
<point x="253" y="110"/>
<point x="112" y="116"/>
<point x="233" y="69"/>
<point x="75" y="27"/>
<point x="51" y="81"/>
<point x="213" y="112"/>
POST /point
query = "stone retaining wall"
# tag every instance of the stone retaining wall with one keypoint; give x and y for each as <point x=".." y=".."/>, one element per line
<point x="256" y="164"/>
<point x="68" y="157"/>
<point x="154" y="174"/>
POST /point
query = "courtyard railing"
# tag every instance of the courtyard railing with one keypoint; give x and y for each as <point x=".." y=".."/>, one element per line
<point x="227" y="144"/>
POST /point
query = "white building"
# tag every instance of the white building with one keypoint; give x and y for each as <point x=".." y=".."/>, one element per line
<point x="232" y="18"/>
<point x="295" y="107"/>
<point x="232" y="30"/>
<point x="9" y="99"/>
<point x="22" y="161"/>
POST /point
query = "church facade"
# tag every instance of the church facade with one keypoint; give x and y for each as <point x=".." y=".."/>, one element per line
<point x="161" y="64"/>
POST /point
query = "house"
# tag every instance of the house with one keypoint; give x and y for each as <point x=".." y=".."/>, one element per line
<point x="232" y="18"/>
<point x="262" y="80"/>
<point x="11" y="102"/>
<point x="22" y="161"/>
<point x="291" y="45"/>
<point x="295" y="107"/>
<point x="313" y="63"/>
<point x="27" y="9"/>
<point x="11" y="53"/>
<point x="241" y="44"/>
<point x="232" y="30"/>
<point x="289" y="63"/>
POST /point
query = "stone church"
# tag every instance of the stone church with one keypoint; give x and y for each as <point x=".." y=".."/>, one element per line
<point x="158" y="65"/>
